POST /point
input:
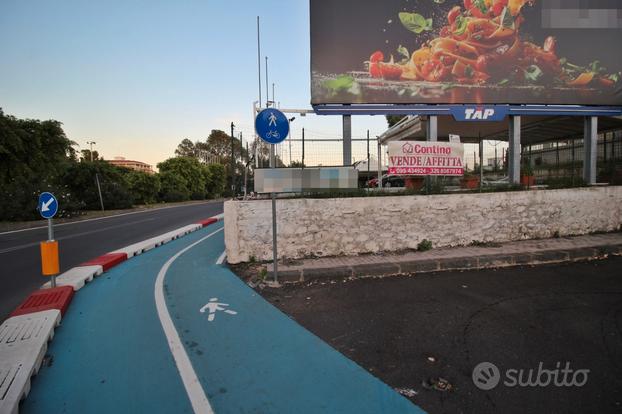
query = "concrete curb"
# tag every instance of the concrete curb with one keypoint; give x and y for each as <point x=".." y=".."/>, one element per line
<point x="24" y="337"/>
<point x="487" y="261"/>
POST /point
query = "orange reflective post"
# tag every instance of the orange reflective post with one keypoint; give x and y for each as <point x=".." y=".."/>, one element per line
<point x="49" y="258"/>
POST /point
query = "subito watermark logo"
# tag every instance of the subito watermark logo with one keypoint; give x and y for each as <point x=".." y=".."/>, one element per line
<point x="487" y="376"/>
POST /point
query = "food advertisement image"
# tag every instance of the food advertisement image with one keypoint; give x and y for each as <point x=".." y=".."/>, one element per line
<point x="466" y="52"/>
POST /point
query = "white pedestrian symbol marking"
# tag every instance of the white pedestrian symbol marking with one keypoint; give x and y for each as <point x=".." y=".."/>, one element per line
<point x="213" y="305"/>
<point x="272" y="119"/>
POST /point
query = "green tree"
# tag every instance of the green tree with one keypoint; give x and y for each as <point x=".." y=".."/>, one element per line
<point x="189" y="169"/>
<point x="394" y="119"/>
<point x="33" y="157"/>
<point x="144" y="187"/>
<point x="80" y="178"/>
<point x="85" y="155"/>
<point x="186" y="148"/>
<point x="173" y="187"/>
<point x="215" y="180"/>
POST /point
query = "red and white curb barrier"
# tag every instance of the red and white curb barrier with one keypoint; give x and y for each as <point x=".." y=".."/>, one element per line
<point x="24" y="336"/>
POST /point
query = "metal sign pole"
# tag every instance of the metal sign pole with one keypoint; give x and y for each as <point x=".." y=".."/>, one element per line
<point x="273" y="196"/>
<point x="51" y="238"/>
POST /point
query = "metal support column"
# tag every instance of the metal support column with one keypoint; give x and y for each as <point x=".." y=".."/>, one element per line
<point x="379" y="165"/>
<point x="431" y="135"/>
<point x="514" y="150"/>
<point x="590" y="141"/>
<point x="347" y="140"/>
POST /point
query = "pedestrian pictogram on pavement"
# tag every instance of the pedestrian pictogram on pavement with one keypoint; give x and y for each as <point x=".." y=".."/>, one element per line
<point x="213" y="306"/>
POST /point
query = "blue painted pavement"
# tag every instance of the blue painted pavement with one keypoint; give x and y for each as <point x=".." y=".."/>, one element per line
<point x="111" y="353"/>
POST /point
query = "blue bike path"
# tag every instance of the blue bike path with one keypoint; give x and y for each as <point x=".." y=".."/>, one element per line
<point x="111" y="353"/>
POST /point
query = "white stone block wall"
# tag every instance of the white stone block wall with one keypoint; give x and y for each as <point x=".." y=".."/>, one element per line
<point x="351" y="226"/>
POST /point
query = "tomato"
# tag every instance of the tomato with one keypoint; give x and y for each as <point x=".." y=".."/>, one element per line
<point x="377" y="56"/>
<point x="468" y="4"/>
<point x="606" y="82"/>
<point x="453" y="14"/>
<point x="434" y="70"/>
<point x="498" y="6"/>
<point x="374" y="70"/>
<point x="476" y="12"/>
<point x="482" y="63"/>
<point x="390" y="71"/>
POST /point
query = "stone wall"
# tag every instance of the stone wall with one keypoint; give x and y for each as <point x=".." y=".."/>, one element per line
<point x="350" y="226"/>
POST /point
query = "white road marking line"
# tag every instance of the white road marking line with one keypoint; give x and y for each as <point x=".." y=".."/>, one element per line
<point x="196" y="394"/>
<point x="106" y="217"/>
<point x="73" y="236"/>
<point x="221" y="258"/>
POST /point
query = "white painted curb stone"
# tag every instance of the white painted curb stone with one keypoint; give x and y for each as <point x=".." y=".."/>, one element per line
<point x="23" y="342"/>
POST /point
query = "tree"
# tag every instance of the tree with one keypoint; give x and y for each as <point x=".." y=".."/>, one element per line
<point x="86" y="155"/>
<point x="144" y="187"/>
<point x="186" y="149"/>
<point x="191" y="173"/>
<point x="80" y="179"/>
<point x="173" y="187"/>
<point x="215" y="180"/>
<point x="33" y="157"/>
<point x="394" y="119"/>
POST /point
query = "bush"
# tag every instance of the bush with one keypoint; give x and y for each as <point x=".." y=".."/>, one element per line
<point x="173" y="187"/>
<point x="144" y="187"/>
<point x="188" y="181"/>
<point x="81" y="181"/>
<point x="215" y="180"/>
<point x="424" y="245"/>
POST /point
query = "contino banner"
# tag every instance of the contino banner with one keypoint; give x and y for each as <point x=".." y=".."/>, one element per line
<point x="426" y="158"/>
<point x="466" y="52"/>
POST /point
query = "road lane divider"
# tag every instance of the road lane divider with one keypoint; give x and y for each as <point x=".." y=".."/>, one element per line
<point x="25" y="334"/>
<point x="45" y="299"/>
<point x="23" y="343"/>
<point x="77" y="277"/>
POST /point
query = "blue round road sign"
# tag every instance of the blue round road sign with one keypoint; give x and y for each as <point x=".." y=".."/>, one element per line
<point x="272" y="126"/>
<point x="48" y="205"/>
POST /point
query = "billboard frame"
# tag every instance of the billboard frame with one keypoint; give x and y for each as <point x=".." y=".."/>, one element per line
<point x="425" y="109"/>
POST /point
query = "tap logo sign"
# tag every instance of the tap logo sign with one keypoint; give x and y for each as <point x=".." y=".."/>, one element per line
<point x="426" y="158"/>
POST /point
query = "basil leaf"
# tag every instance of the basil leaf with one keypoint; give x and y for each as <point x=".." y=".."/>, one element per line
<point x="481" y="4"/>
<point x="506" y="18"/>
<point x="415" y="22"/>
<point x="341" y="83"/>
<point x="403" y="51"/>
<point x="461" y="25"/>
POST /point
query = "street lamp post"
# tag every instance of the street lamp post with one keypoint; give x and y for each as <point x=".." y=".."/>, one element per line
<point x="232" y="162"/>
<point x="99" y="189"/>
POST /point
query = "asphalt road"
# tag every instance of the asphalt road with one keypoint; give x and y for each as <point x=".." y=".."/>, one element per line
<point x="20" y="270"/>
<point x="411" y="331"/>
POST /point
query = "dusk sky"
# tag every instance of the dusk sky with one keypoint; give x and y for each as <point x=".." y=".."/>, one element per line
<point x="139" y="76"/>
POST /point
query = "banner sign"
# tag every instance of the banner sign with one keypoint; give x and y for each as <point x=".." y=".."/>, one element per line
<point x="426" y="158"/>
<point x="470" y="52"/>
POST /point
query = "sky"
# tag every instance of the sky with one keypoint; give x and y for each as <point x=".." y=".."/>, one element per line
<point x="137" y="77"/>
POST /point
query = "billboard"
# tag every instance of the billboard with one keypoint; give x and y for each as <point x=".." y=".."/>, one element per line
<point x="466" y="52"/>
<point x="426" y="158"/>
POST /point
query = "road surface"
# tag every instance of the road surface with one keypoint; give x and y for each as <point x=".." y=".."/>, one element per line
<point x="411" y="331"/>
<point x="173" y="331"/>
<point x="20" y="272"/>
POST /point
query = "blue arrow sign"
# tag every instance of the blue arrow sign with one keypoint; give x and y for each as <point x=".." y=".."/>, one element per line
<point x="48" y="205"/>
<point x="272" y="126"/>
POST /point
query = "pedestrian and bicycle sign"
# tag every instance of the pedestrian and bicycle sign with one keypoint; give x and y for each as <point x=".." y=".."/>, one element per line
<point x="48" y="205"/>
<point x="272" y="126"/>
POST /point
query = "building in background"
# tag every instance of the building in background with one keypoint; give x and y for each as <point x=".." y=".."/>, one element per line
<point x="132" y="165"/>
